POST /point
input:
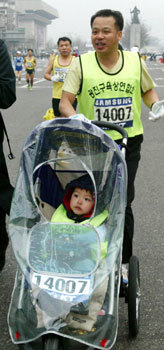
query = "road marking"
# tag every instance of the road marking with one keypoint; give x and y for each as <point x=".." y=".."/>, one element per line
<point x="159" y="78"/>
<point x="36" y="82"/>
<point x="35" y="87"/>
<point x="154" y="68"/>
<point x="39" y="81"/>
<point x="39" y="69"/>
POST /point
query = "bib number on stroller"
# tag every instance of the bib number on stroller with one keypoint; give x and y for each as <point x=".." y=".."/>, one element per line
<point x="63" y="286"/>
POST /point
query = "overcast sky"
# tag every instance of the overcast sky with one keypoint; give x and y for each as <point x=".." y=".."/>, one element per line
<point x="74" y="16"/>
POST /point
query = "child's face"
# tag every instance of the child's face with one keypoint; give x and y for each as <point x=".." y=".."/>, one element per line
<point x="82" y="201"/>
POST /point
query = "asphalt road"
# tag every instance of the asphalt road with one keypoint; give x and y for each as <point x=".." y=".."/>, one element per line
<point x="148" y="207"/>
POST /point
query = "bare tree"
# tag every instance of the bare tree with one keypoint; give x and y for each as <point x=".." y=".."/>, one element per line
<point x="126" y="36"/>
<point x="145" y="36"/>
<point x="79" y="43"/>
<point x="50" y="45"/>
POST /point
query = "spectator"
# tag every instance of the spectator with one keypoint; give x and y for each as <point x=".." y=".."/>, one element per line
<point x="7" y="98"/>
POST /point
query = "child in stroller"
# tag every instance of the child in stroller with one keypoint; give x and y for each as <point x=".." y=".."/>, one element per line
<point x="78" y="201"/>
<point x="78" y="205"/>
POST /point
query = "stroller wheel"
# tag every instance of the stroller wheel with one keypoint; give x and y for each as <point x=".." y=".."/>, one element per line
<point x="134" y="296"/>
<point x="51" y="342"/>
<point x="35" y="345"/>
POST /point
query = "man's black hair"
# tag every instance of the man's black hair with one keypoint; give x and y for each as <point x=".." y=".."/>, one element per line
<point x="64" y="38"/>
<point x="119" y="21"/>
<point x="30" y="50"/>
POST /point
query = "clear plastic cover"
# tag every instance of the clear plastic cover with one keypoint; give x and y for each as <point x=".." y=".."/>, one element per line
<point x="63" y="249"/>
<point x="68" y="274"/>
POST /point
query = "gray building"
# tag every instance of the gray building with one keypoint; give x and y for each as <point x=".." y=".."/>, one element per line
<point x="8" y="28"/>
<point x="23" y="23"/>
<point x="7" y="14"/>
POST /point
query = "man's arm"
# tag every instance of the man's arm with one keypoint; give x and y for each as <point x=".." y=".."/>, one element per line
<point x="7" y="78"/>
<point x="24" y="62"/>
<point x="149" y="94"/>
<point x="35" y="62"/>
<point x="65" y="106"/>
<point x="70" y="89"/>
<point x="49" y="69"/>
<point x="150" y="97"/>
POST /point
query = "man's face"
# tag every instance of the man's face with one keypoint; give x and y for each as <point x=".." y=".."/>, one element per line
<point x="30" y="53"/>
<point x="105" y="35"/>
<point x="64" y="48"/>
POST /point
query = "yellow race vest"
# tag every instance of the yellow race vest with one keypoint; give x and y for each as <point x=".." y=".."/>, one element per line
<point x="30" y="63"/>
<point x="60" y="72"/>
<point x="112" y="97"/>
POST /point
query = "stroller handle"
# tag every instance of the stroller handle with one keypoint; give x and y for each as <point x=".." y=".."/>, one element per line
<point x="112" y="126"/>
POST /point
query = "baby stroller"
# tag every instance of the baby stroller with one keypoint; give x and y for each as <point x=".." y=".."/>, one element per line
<point x="67" y="285"/>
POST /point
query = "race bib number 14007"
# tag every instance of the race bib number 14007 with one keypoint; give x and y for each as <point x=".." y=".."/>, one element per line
<point x="68" y="289"/>
<point x="114" y="110"/>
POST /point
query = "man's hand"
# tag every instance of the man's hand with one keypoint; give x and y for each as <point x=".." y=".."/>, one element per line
<point x="157" y="111"/>
<point x="54" y="78"/>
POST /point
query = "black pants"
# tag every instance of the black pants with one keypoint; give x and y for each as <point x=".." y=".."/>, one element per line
<point x="6" y="192"/>
<point x="132" y="160"/>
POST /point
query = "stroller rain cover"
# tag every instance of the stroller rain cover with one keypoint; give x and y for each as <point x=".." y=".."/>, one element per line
<point x="68" y="274"/>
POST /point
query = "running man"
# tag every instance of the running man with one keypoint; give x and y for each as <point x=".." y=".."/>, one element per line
<point x="30" y="64"/>
<point x="100" y="80"/>
<point x="57" y="69"/>
<point x="18" y="63"/>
